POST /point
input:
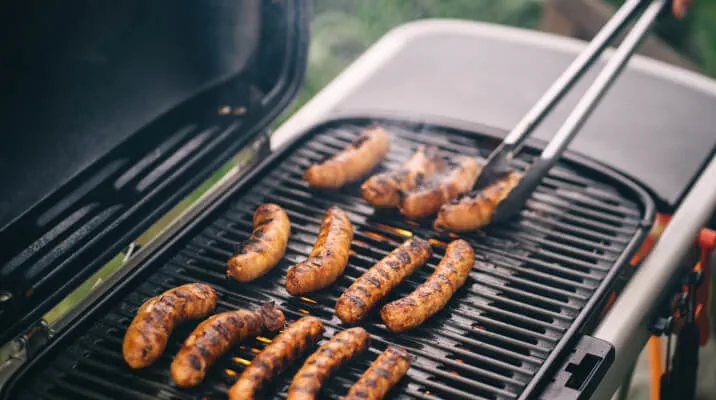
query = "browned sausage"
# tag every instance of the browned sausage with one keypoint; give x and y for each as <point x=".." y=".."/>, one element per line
<point x="427" y="199"/>
<point x="265" y="247"/>
<point x="216" y="335"/>
<point x="147" y="335"/>
<point x="474" y="210"/>
<point x="382" y="375"/>
<point x="384" y="190"/>
<point x="380" y="279"/>
<point x="351" y="163"/>
<point x="430" y="297"/>
<point x="291" y="344"/>
<point x="329" y="256"/>
<point x="320" y="365"/>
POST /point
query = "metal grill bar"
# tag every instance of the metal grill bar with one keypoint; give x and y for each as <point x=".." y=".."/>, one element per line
<point x="531" y="279"/>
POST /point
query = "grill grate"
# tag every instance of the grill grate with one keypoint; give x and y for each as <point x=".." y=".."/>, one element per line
<point x="532" y="279"/>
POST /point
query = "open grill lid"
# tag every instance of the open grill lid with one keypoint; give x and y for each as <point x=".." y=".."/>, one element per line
<point x="115" y="112"/>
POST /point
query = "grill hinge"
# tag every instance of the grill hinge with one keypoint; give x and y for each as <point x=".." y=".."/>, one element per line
<point x="16" y="352"/>
<point x="259" y="149"/>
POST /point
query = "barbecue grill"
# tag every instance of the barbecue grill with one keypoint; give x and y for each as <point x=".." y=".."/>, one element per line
<point x="519" y="328"/>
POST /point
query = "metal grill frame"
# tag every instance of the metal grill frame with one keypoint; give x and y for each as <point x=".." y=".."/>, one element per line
<point x="191" y="222"/>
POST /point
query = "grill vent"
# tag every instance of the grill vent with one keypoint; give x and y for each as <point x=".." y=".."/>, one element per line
<point x="532" y="279"/>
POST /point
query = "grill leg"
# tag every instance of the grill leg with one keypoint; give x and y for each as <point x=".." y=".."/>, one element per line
<point x="623" y="392"/>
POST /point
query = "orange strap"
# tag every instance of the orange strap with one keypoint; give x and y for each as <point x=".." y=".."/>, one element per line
<point x="656" y="366"/>
<point x="707" y="242"/>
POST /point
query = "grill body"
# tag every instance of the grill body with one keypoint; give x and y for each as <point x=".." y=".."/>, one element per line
<point x="536" y="284"/>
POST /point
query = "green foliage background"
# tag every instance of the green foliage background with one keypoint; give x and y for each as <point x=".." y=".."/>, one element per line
<point x="695" y="36"/>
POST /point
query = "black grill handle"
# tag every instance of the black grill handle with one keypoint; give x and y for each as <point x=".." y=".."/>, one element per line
<point x="579" y="375"/>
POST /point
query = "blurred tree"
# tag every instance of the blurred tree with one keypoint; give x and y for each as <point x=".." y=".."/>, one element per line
<point x="694" y="36"/>
<point x="704" y="34"/>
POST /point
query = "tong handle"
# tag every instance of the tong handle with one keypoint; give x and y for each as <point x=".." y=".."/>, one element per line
<point x="498" y="161"/>
<point x="569" y="77"/>
<point x="540" y="167"/>
<point x="603" y="82"/>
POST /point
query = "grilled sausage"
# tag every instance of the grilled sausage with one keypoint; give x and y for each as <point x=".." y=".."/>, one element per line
<point x="265" y="247"/>
<point x="329" y="256"/>
<point x="427" y="199"/>
<point x="382" y="375"/>
<point x="474" y="210"/>
<point x="384" y="190"/>
<point x="295" y="341"/>
<point x="216" y="335"/>
<point x="351" y="163"/>
<point x="320" y="365"/>
<point x="380" y="279"/>
<point x="431" y="296"/>
<point x="147" y="335"/>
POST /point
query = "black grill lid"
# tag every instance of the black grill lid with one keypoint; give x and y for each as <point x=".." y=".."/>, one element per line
<point x="115" y="111"/>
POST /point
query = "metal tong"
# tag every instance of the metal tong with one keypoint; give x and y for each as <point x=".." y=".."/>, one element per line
<point x="497" y="164"/>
